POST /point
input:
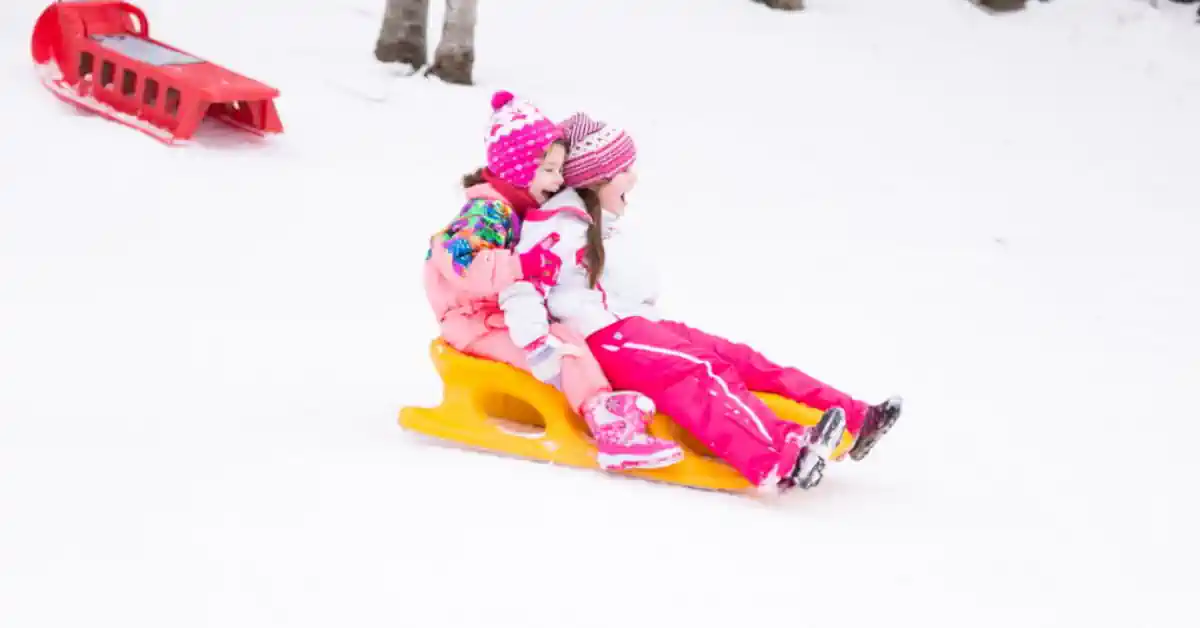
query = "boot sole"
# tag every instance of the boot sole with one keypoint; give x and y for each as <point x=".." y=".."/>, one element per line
<point x="825" y="436"/>
<point x="625" y="462"/>
<point x="857" y="453"/>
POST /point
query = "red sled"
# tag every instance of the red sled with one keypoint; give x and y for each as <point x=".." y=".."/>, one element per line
<point x="99" y="56"/>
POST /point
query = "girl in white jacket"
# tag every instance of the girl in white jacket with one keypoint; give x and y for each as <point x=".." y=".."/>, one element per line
<point x="702" y="381"/>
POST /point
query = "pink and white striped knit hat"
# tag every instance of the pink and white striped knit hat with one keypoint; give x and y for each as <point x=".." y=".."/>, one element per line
<point x="596" y="151"/>
<point x="517" y="137"/>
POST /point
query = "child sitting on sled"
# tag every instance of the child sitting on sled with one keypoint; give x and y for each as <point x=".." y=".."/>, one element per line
<point x="702" y="381"/>
<point x="471" y="263"/>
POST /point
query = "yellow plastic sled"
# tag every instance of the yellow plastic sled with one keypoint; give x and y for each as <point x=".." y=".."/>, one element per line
<point x="495" y="407"/>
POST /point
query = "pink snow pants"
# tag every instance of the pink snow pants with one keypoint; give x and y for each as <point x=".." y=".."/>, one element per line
<point x="582" y="377"/>
<point x="704" y="383"/>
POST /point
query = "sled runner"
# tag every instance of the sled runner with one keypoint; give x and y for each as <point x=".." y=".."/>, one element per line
<point x="99" y="56"/>
<point x="496" y="407"/>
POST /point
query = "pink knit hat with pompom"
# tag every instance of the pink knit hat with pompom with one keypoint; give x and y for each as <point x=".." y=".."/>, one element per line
<point x="517" y="138"/>
<point x="596" y="151"/>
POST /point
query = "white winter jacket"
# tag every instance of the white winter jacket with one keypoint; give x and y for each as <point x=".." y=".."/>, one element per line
<point x="627" y="286"/>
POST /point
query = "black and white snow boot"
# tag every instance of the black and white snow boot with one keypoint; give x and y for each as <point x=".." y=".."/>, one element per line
<point x="819" y="443"/>
<point x="880" y="418"/>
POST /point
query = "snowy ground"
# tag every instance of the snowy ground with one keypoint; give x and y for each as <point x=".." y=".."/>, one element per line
<point x="203" y="350"/>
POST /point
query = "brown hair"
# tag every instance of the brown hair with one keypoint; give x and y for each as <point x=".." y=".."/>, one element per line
<point x="472" y="179"/>
<point x="595" y="242"/>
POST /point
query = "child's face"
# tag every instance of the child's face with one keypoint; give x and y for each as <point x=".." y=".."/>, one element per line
<point x="548" y="178"/>
<point x="612" y="192"/>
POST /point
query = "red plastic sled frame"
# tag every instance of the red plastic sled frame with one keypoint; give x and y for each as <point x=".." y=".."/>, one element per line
<point x="99" y="56"/>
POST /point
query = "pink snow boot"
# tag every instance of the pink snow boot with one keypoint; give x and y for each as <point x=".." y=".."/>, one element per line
<point x="618" y="422"/>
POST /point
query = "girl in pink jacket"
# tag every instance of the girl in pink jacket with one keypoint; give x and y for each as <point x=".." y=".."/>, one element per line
<point x="702" y="381"/>
<point x="472" y="262"/>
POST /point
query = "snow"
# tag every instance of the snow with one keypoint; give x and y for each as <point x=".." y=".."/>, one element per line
<point x="204" y="349"/>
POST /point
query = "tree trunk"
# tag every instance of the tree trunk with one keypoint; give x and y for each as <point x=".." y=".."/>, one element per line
<point x="784" y="5"/>
<point x="455" y="56"/>
<point x="402" y="34"/>
<point x="1001" y="6"/>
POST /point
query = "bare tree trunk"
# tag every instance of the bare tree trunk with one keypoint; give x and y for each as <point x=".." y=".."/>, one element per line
<point x="455" y="56"/>
<point x="402" y="34"/>
<point x="1000" y="6"/>
<point x="784" y="5"/>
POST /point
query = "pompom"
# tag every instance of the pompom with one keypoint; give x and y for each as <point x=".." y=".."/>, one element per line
<point x="501" y="98"/>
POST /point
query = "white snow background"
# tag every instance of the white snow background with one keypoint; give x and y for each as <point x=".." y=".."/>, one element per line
<point x="203" y="350"/>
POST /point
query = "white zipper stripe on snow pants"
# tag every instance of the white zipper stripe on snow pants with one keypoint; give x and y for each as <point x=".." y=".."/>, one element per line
<point x="712" y="374"/>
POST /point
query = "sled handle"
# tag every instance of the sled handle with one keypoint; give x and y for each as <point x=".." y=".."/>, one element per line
<point x="143" y="24"/>
<point x="139" y="15"/>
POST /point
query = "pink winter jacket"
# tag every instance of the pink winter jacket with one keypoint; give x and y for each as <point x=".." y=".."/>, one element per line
<point x="465" y="300"/>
